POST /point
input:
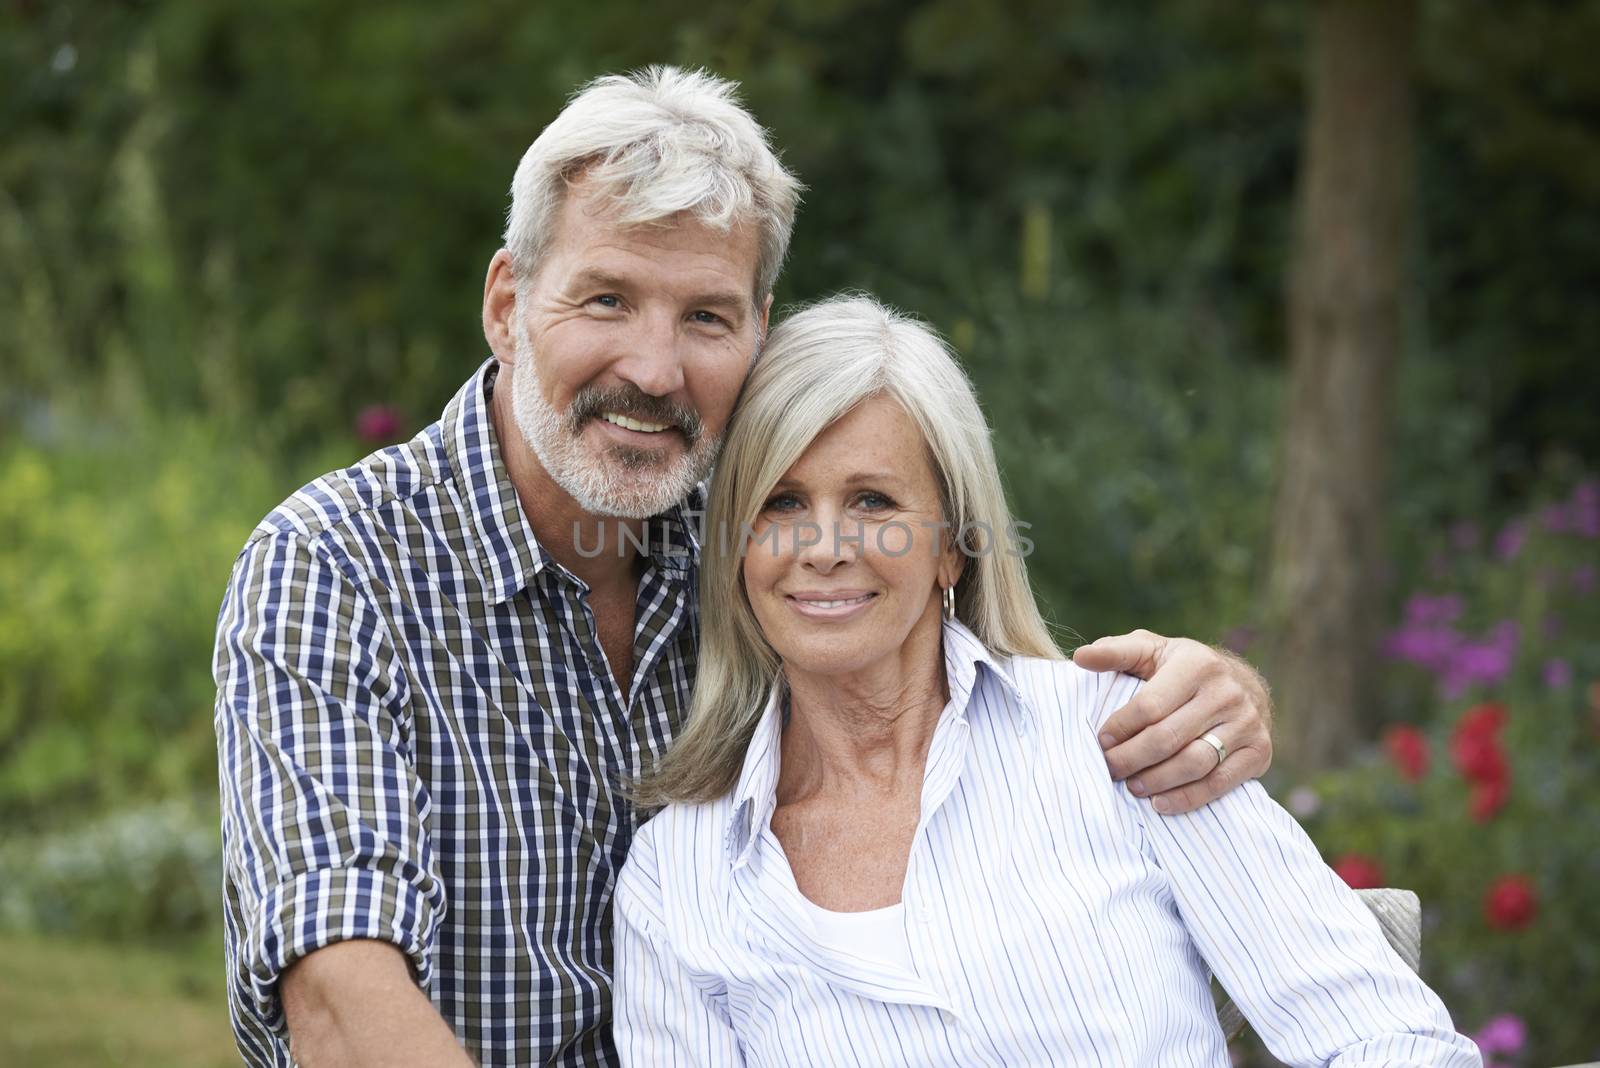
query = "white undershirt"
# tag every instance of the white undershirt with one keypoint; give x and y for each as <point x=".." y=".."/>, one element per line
<point x="877" y="935"/>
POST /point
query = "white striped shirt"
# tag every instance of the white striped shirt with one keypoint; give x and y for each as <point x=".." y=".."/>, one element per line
<point x="1052" y="916"/>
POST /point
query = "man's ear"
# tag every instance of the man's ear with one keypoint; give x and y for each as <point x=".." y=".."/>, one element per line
<point x="500" y="308"/>
<point x="762" y="321"/>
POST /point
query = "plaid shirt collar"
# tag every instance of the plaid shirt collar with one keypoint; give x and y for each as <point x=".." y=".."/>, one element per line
<point x="505" y="553"/>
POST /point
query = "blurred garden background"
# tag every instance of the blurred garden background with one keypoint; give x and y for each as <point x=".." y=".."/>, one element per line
<point x="1285" y="315"/>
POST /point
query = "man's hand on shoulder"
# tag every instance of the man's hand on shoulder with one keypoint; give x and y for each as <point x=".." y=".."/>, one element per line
<point x="1154" y="741"/>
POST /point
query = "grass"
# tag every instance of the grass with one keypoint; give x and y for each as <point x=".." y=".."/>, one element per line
<point x="72" y="1004"/>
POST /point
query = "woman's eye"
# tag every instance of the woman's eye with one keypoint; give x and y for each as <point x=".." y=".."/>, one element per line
<point x="874" y="502"/>
<point x="783" y="502"/>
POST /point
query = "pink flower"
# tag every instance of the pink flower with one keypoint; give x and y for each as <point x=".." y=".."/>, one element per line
<point x="378" y="424"/>
<point x="1505" y="1033"/>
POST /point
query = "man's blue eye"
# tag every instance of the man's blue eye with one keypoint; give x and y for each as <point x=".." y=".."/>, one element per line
<point x="707" y="317"/>
<point x="609" y="300"/>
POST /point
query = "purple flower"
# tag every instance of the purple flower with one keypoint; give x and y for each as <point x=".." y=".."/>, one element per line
<point x="1505" y="1033"/>
<point x="1239" y="639"/>
<point x="1584" y="508"/>
<point x="1480" y="663"/>
<point x="1509" y="542"/>
<point x="1583" y="578"/>
<point x="1432" y="647"/>
<point x="1554" y="518"/>
<point x="1557" y="674"/>
<point x="1422" y="608"/>
<point x="1304" y="802"/>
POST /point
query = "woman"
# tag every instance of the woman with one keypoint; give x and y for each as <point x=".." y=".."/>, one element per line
<point x="890" y="836"/>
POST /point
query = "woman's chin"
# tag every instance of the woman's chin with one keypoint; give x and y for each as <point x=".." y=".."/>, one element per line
<point x="837" y="653"/>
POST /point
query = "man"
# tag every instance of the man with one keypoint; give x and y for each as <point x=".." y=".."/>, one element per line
<point x="428" y="695"/>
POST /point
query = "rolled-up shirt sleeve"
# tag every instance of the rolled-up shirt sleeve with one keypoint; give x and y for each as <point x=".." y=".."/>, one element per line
<point x="323" y="836"/>
<point x="664" y="1015"/>
<point x="1304" y="959"/>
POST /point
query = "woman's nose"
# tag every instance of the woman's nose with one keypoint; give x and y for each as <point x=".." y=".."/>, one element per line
<point x="827" y="541"/>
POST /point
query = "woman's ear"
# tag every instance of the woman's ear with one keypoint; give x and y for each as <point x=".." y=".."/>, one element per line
<point x="952" y="563"/>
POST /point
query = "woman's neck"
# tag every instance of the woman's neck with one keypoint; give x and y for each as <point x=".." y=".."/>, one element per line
<point x="868" y="731"/>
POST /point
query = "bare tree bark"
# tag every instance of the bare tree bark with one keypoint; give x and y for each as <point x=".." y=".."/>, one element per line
<point x="1357" y="179"/>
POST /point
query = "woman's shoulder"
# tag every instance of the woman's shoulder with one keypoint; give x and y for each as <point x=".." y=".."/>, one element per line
<point x="1067" y="693"/>
<point x="675" y="854"/>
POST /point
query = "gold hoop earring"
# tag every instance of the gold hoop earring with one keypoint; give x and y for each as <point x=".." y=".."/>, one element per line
<point x="949" y="602"/>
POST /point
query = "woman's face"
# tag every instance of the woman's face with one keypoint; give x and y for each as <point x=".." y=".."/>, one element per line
<point x="850" y="551"/>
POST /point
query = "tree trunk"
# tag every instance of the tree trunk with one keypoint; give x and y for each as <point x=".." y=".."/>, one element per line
<point x="1344" y="311"/>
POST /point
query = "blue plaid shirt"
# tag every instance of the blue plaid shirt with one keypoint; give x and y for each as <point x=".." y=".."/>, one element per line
<point x="419" y="741"/>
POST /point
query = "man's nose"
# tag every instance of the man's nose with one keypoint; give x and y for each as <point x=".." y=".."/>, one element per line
<point x="653" y="360"/>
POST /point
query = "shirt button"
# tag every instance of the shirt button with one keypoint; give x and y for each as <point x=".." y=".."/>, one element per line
<point x="925" y="912"/>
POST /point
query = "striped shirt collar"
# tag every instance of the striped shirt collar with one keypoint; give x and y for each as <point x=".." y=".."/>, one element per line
<point x="506" y="555"/>
<point x="756" y="794"/>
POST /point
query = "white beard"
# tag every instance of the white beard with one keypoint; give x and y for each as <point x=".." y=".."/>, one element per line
<point x="617" y="481"/>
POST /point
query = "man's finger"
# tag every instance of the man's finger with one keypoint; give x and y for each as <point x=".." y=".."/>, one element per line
<point x="1240" y="766"/>
<point x="1154" y="726"/>
<point x="1134" y="653"/>
<point x="1193" y="763"/>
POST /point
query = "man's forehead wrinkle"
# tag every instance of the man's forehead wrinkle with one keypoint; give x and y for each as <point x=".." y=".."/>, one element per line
<point x="705" y="276"/>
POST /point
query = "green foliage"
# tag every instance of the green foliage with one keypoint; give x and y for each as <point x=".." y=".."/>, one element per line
<point x="148" y="871"/>
<point x="114" y="549"/>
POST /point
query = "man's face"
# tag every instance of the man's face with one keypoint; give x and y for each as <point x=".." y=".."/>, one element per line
<point x="631" y="345"/>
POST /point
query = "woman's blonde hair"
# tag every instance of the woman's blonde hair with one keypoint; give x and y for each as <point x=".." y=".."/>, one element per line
<point x="818" y="364"/>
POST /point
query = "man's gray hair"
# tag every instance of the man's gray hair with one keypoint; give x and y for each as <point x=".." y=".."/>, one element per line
<point x="656" y="142"/>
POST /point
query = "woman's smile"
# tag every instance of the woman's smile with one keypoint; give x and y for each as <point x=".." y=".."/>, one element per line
<point x="831" y="606"/>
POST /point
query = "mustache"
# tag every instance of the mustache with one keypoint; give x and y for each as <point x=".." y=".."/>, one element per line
<point x="634" y="403"/>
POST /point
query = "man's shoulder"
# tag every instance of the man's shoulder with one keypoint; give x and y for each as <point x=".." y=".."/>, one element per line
<point x="370" y="485"/>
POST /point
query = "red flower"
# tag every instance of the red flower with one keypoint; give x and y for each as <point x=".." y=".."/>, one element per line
<point x="1361" y="873"/>
<point x="1478" y="756"/>
<point x="1486" y="718"/>
<point x="378" y="423"/>
<point x="1408" y="752"/>
<point x="1511" y="903"/>
<point x="1489" y="796"/>
<point x="1475" y="744"/>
